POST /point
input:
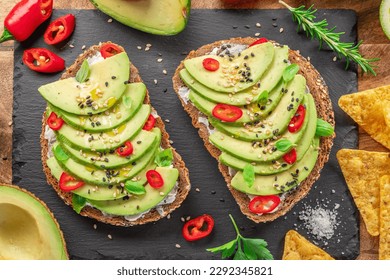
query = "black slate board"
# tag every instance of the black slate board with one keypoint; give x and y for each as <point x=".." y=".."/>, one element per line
<point x="157" y="240"/>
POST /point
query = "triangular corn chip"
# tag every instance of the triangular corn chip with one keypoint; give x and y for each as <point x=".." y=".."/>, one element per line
<point x="371" y="110"/>
<point x="384" y="219"/>
<point x="362" y="171"/>
<point x="296" y="247"/>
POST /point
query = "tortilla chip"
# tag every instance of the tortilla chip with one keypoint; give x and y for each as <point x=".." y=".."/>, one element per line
<point x="370" y="110"/>
<point x="362" y="171"/>
<point x="384" y="219"/>
<point x="296" y="247"/>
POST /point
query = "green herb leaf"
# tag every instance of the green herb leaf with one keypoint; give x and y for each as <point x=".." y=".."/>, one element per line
<point x="78" y="203"/>
<point x="324" y="128"/>
<point x="134" y="188"/>
<point x="319" y="30"/>
<point x="164" y="158"/>
<point x="290" y="72"/>
<point x="249" y="174"/>
<point x="283" y="145"/>
<point x="60" y="154"/>
<point x="263" y="97"/>
<point x="83" y="73"/>
<point x="253" y="248"/>
<point x="127" y="101"/>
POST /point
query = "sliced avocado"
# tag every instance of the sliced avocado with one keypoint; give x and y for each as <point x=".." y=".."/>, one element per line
<point x="138" y="204"/>
<point x="104" y="87"/>
<point x="268" y="82"/>
<point x="166" y="17"/>
<point x="104" y="141"/>
<point x="282" y="182"/>
<point x="121" y="112"/>
<point x="266" y="168"/>
<point x="98" y="192"/>
<point x="229" y="76"/>
<point x="141" y="144"/>
<point x="28" y="230"/>
<point x="277" y="120"/>
<point x="104" y="177"/>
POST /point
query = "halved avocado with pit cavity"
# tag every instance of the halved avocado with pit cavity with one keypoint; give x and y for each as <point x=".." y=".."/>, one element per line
<point x="162" y="17"/>
<point x="28" y="230"/>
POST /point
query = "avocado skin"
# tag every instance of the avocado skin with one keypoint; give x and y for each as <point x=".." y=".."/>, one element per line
<point x="183" y="15"/>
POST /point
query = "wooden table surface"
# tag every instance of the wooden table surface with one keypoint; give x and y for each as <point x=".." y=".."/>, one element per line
<point x="375" y="44"/>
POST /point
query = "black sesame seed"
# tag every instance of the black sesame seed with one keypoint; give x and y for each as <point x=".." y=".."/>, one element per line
<point x="247" y="26"/>
<point x="246" y="57"/>
<point x="133" y="163"/>
<point x="235" y="27"/>
<point x="113" y="77"/>
<point x="106" y="83"/>
<point x="213" y="192"/>
<point x="285" y="60"/>
<point x="222" y="200"/>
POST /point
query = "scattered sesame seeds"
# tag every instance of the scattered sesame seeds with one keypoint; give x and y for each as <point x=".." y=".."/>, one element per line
<point x="178" y="246"/>
<point x="109" y="20"/>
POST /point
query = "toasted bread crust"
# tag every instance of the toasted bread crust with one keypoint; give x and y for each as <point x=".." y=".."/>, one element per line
<point x="317" y="88"/>
<point x="151" y="216"/>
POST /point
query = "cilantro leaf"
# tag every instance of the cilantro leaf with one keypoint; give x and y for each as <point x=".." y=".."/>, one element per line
<point x="78" y="203"/>
<point x="249" y="174"/>
<point x="164" y="158"/>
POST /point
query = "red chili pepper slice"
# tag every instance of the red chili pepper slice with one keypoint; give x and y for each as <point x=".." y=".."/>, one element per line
<point x="198" y="228"/>
<point x="259" y="41"/>
<point x="108" y="50"/>
<point x="149" y="123"/>
<point x="54" y="122"/>
<point x="24" y="18"/>
<point x="154" y="179"/>
<point x="210" y="64"/>
<point x="290" y="157"/>
<point x="43" y="60"/>
<point x="68" y="183"/>
<point x="264" y="204"/>
<point x="227" y="113"/>
<point x="59" y="30"/>
<point x="125" y="150"/>
<point x="297" y="120"/>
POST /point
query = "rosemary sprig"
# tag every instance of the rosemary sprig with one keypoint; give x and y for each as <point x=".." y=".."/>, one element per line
<point x="319" y="30"/>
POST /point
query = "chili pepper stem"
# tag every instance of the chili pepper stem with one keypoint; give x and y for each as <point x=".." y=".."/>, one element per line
<point x="235" y="226"/>
<point x="6" y="36"/>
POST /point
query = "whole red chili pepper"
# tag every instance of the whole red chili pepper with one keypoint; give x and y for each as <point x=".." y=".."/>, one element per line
<point x="43" y="60"/>
<point x="24" y="18"/>
<point x="59" y="30"/>
<point x="198" y="228"/>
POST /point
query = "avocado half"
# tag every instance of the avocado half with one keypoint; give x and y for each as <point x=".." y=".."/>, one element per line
<point x="161" y="17"/>
<point x="28" y="230"/>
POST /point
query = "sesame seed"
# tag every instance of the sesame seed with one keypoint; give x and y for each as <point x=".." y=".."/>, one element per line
<point x="188" y="218"/>
<point x="155" y="81"/>
<point x="83" y="47"/>
<point x="139" y="47"/>
<point x="167" y="121"/>
<point x="148" y="45"/>
<point x="168" y="216"/>
<point x="274" y="25"/>
<point x="109" y="236"/>
<point x="197" y="190"/>
<point x="281" y="29"/>
<point x="170" y="142"/>
<point x="257" y="34"/>
<point x="109" y="20"/>
<point x="162" y="193"/>
<point x="159" y="60"/>
<point x="10" y="123"/>
<point x="258" y="24"/>
<point x="94" y="226"/>
<point x="164" y="72"/>
<point x="335" y="58"/>
<point x="146" y="49"/>
<point x="178" y="246"/>
<point x="182" y="219"/>
<point x="71" y="46"/>
<point x="247" y="26"/>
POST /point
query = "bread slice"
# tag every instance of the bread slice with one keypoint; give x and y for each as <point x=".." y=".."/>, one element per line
<point x="153" y="215"/>
<point x="318" y="89"/>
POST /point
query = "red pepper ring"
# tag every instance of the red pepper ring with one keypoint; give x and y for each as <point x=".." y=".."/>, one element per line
<point x="297" y="120"/>
<point x="154" y="179"/>
<point x="54" y="122"/>
<point x="125" y="150"/>
<point x="264" y="203"/>
<point x="43" y="60"/>
<point x="210" y="64"/>
<point x="198" y="228"/>
<point x="108" y="50"/>
<point x="259" y="41"/>
<point x="59" y="30"/>
<point x="150" y="122"/>
<point x="67" y="183"/>
<point x="291" y="156"/>
<point x="226" y="112"/>
<point x="24" y="19"/>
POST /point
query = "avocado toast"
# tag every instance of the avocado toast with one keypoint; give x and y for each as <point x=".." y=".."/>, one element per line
<point x="105" y="150"/>
<point x="256" y="105"/>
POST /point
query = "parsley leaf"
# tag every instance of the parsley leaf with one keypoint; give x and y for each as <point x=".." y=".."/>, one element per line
<point x="78" y="203"/>
<point x="249" y="174"/>
<point x="243" y="248"/>
<point x="164" y="158"/>
<point x="83" y="73"/>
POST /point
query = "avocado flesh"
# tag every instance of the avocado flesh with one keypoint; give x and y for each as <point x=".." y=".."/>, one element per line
<point x="104" y="141"/>
<point x="278" y="119"/>
<point x="308" y="130"/>
<point x="226" y="78"/>
<point x="65" y="94"/>
<point x="141" y="144"/>
<point x="269" y="81"/>
<point x="99" y="177"/>
<point x="286" y="180"/>
<point x="121" y="112"/>
<point x="28" y="231"/>
<point x="166" y="17"/>
<point x="93" y="192"/>
<point x="139" y="204"/>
